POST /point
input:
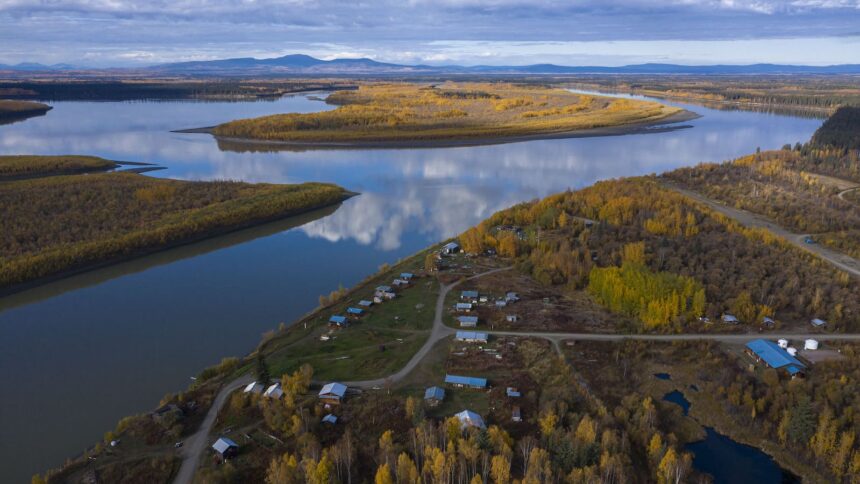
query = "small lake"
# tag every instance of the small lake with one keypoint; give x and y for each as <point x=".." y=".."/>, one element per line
<point x="678" y="399"/>
<point x="730" y="462"/>
<point x="78" y="354"/>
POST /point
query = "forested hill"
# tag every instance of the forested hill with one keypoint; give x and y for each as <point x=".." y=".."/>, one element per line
<point x="842" y="130"/>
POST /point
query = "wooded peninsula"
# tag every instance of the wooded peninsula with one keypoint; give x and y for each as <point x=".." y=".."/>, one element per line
<point x="107" y="217"/>
<point x="449" y="113"/>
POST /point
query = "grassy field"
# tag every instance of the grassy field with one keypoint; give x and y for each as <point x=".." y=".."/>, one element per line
<point x="449" y="111"/>
<point x="378" y="343"/>
<point x="101" y="218"/>
<point x="16" y="166"/>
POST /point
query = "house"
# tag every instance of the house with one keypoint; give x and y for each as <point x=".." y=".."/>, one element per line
<point x="483" y="299"/>
<point x="810" y="345"/>
<point x="469" y="418"/>
<point x="466" y="381"/>
<point x="389" y="295"/>
<point x="512" y="392"/>
<point x="511" y="318"/>
<point x="511" y="297"/>
<point x="377" y="299"/>
<point x="274" y="391"/>
<point x="253" y="387"/>
<point x="225" y="448"/>
<point x="450" y="248"/>
<point x="729" y="319"/>
<point x="365" y="303"/>
<point x="400" y="282"/>
<point x="383" y="289"/>
<point x="330" y="419"/>
<point x="768" y="322"/>
<point x="464" y="307"/>
<point x="516" y="414"/>
<point x="355" y="311"/>
<point x="471" y="337"/>
<point x="407" y="276"/>
<point x="332" y="392"/>
<point x="773" y="356"/>
<point x="339" y="321"/>
<point x="501" y="303"/>
<point x="467" y="321"/>
<point x="818" y="323"/>
<point x="434" y="396"/>
<point x="469" y="295"/>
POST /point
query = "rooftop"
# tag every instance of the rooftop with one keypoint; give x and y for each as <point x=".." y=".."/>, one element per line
<point x="471" y="381"/>
<point x="333" y="388"/>
<point x="471" y="335"/>
<point x="437" y="393"/>
<point x="469" y="418"/>
<point x="774" y="356"/>
<point x="222" y="444"/>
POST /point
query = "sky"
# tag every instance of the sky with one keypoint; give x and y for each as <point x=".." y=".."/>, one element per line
<point x="125" y="33"/>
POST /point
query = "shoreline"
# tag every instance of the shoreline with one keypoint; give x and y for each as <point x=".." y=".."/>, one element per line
<point x="142" y="252"/>
<point x="661" y="125"/>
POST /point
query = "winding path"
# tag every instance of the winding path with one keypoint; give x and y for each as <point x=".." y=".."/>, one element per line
<point x="748" y="219"/>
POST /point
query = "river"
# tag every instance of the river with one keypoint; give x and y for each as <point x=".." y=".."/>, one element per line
<point x="78" y="354"/>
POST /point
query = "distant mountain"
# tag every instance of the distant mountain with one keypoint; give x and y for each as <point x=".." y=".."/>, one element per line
<point x="307" y="65"/>
<point x="300" y="64"/>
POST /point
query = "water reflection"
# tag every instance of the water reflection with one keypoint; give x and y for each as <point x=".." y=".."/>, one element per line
<point x="113" y="342"/>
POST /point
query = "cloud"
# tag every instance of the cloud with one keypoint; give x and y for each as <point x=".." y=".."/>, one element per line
<point x="136" y="32"/>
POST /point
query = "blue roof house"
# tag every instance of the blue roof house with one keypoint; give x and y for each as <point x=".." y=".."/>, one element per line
<point x="225" y="447"/>
<point x="434" y="395"/>
<point x="338" y="320"/>
<point x="355" y="311"/>
<point x="467" y="321"/>
<point x="773" y="356"/>
<point x="466" y="381"/>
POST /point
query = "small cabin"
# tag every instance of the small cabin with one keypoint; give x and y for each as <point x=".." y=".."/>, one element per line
<point x="339" y="321"/>
<point x="818" y="323"/>
<point x="469" y="418"/>
<point x="253" y="387"/>
<point x="365" y="303"/>
<point x="434" y="396"/>
<point x="332" y="393"/>
<point x="512" y="392"/>
<point x="512" y="297"/>
<point x="468" y="321"/>
<point x="451" y="248"/>
<point x="512" y="318"/>
<point x="516" y="414"/>
<point x="407" y="276"/>
<point x="330" y="419"/>
<point x="768" y="322"/>
<point x="355" y="311"/>
<point x="225" y="448"/>
<point x="464" y="307"/>
<point x="274" y="391"/>
<point x="469" y="296"/>
<point x="730" y="319"/>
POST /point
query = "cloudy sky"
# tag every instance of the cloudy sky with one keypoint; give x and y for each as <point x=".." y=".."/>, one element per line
<point x="496" y="32"/>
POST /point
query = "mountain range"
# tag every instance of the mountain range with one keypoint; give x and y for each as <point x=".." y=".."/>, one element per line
<point x="299" y="64"/>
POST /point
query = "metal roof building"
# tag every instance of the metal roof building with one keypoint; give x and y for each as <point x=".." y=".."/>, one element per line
<point x="333" y="390"/>
<point x="469" y="418"/>
<point x="469" y="295"/>
<point x="466" y="381"/>
<point x="338" y="320"/>
<point x="471" y="337"/>
<point x="434" y="393"/>
<point x="468" y="321"/>
<point x="225" y="446"/>
<point x="775" y="357"/>
<point x="355" y="311"/>
<point x="330" y="419"/>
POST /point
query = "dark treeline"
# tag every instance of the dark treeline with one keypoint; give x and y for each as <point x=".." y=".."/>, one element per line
<point x="842" y="130"/>
<point x="155" y="90"/>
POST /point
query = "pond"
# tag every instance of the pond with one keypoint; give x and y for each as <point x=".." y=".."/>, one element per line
<point x="679" y="399"/>
<point x="731" y="462"/>
<point x="78" y="354"/>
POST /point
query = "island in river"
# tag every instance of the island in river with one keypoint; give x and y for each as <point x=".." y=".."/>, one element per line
<point x="11" y="111"/>
<point x="101" y="218"/>
<point x="450" y="114"/>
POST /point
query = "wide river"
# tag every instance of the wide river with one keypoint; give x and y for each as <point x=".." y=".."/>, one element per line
<point x="79" y="354"/>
